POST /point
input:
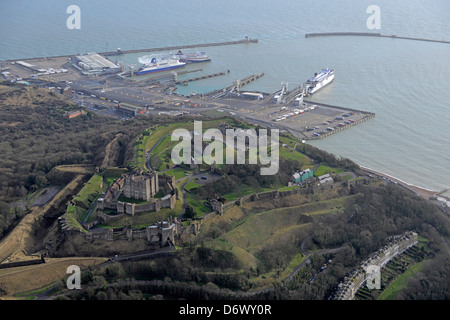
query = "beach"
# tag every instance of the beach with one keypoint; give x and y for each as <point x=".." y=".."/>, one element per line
<point x="421" y="192"/>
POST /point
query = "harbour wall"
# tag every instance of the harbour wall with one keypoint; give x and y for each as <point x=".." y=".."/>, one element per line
<point x="329" y="34"/>
<point x="214" y="44"/>
<point x="112" y="53"/>
<point x="370" y="34"/>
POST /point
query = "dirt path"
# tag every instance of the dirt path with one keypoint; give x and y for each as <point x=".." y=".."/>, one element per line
<point x="111" y="152"/>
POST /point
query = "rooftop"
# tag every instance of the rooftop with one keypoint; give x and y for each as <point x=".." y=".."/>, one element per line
<point x="96" y="61"/>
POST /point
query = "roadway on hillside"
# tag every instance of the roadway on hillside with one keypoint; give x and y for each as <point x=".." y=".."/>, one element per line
<point x="147" y="155"/>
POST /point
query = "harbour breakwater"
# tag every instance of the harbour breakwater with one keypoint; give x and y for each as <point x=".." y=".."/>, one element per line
<point x="190" y="46"/>
<point x="119" y="51"/>
<point x="370" y="34"/>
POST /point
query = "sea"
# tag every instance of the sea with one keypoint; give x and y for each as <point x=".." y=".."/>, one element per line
<point x="406" y="83"/>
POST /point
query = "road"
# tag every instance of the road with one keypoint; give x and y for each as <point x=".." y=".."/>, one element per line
<point x="147" y="156"/>
<point x="307" y="255"/>
<point x="140" y="255"/>
<point x="185" y="201"/>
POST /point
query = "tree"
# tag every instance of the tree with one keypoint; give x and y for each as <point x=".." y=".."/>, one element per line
<point x="189" y="212"/>
<point x="4" y="209"/>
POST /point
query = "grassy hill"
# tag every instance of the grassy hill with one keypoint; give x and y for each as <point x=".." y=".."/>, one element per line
<point x="266" y="236"/>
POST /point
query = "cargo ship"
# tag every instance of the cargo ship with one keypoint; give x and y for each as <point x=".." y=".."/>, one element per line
<point x="192" y="57"/>
<point x="159" y="66"/>
<point x="320" y="80"/>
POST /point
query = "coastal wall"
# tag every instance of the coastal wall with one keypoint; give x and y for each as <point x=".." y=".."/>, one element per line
<point x="112" y="53"/>
<point x="329" y="34"/>
<point x="191" y="46"/>
<point x="370" y="34"/>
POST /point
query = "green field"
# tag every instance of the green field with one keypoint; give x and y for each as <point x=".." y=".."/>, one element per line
<point x="71" y="215"/>
<point x="164" y="144"/>
<point x="161" y="155"/>
<point x="255" y="231"/>
<point x="178" y="173"/>
<point x="240" y="191"/>
<point x="192" y="185"/>
<point x="83" y="201"/>
<point x="146" y="142"/>
<point x="91" y="189"/>
<point x="291" y="154"/>
<point x="398" y="284"/>
<point x="321" y="170"/>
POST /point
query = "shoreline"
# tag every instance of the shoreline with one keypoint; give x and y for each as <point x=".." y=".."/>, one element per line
<point x="421" y="192"/>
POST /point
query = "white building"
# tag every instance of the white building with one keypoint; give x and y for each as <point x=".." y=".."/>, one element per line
<point x="326" y="178"/>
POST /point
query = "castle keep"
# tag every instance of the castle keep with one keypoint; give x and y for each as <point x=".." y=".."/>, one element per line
<point x="139" y="186"/>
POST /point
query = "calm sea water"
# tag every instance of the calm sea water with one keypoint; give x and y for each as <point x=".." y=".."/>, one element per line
<point x="406" y="83"/>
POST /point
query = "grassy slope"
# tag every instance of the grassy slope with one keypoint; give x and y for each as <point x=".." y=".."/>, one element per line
<point x="321" y="170"/>
<point x="148" y="142"/>
<point x="257" y="230"/>
<point x="83" y="201"/>
<point x="400" y="283"/>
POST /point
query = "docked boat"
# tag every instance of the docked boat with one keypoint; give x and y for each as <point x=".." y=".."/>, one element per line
<point x="320" y="80"/>
<point x="159" y="66"/>
<point x="192" y="57"/>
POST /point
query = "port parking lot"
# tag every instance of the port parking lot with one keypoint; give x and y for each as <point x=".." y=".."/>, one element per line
<point x="320" y="119"/>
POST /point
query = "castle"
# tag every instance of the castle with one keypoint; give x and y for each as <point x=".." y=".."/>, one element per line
<point x="142" y="186"/>
<point x="139" y="186"/>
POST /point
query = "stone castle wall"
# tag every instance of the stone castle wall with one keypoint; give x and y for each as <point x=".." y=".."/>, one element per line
<point x="161" y="234"/>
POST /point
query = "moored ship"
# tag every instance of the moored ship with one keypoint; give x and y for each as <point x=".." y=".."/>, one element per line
<point x="159" y="66"/>
<point x="192" y="57"/>
<point x="320" y="80"/>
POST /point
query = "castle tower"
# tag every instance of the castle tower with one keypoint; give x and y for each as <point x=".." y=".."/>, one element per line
<point x="141" y="186"/>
